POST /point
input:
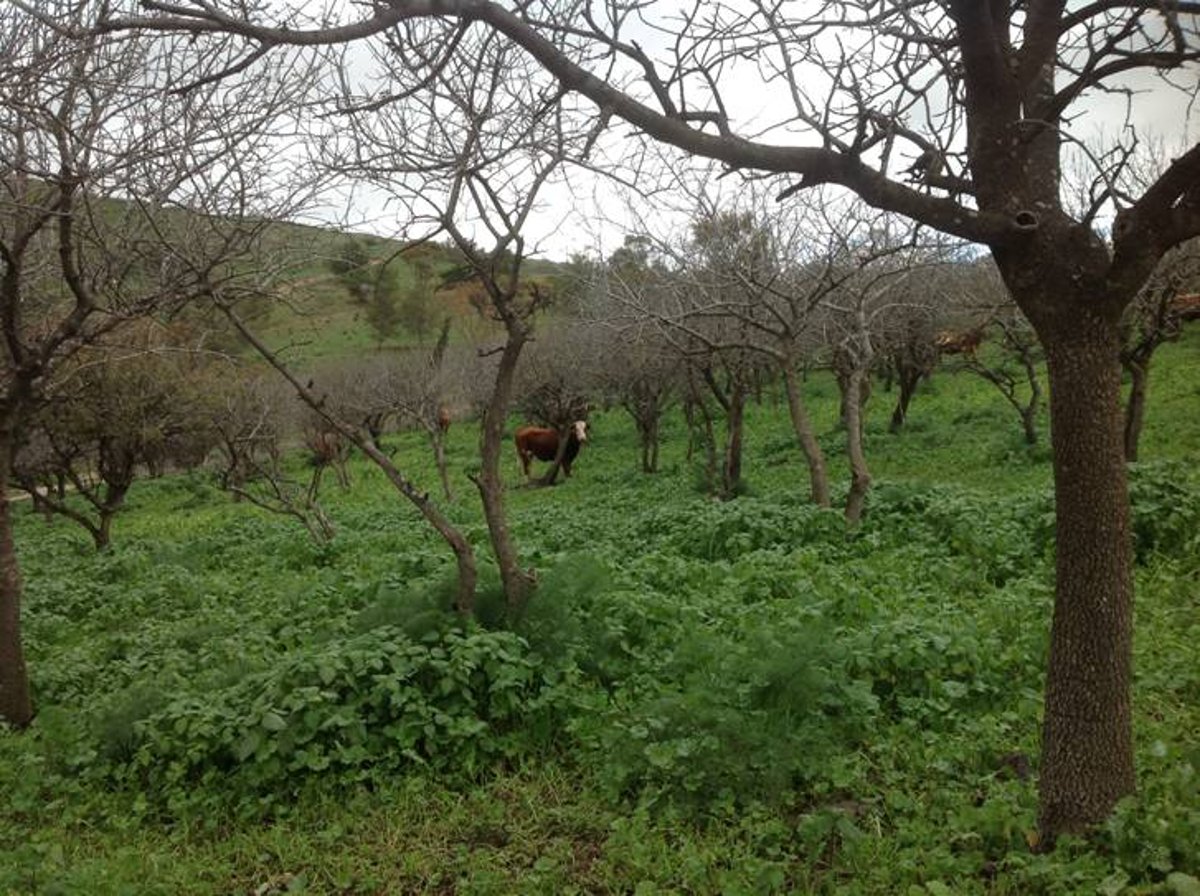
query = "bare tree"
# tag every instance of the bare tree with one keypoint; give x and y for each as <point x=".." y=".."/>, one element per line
<point x="1012" y="367"/>
<point x="412" y="388"/>
<point x="492" y="140"/>
<point x="253" y="419"/>
<point x="118" y="200"/>
<point x="1154" y="317"/>
<point x="108" y="415"/>
<point x="984" y="97"/>
<point x="632" y="365"/>
<point x="878" y="273"/>
<point x="909" y="355"/>
<point x="986" y="335"/>
<point x="641" y="374"/>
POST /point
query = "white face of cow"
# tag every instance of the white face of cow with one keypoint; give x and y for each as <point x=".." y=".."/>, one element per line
<point x="580" y="428"/>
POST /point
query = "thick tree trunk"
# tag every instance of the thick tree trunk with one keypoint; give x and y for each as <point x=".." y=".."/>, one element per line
<point x="818" y="475"/>
<point x="1087" y="738"/>
<point x="516" y="582"/>
<point x="853" y="400"/>
<point x="16" y="708"/>
<point x="1135" y="407"/>
<point x="107" y="510"/>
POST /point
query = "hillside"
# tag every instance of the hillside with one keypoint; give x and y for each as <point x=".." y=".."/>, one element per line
<point x="326" y="314"/>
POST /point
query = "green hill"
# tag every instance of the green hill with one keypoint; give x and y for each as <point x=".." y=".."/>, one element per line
<point x="336" y="277"/>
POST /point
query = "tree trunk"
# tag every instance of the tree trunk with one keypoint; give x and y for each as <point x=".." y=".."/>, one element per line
<point x="102" y="532"/>
<point x="464" y="554"/>
<point x="16" y="708"/>
<point x="1135" y="407"/>
<point x="731" y="472"/>
<point x="114" y="500"/>
<point x="1029" y="424"/>
<point x="698" y="412"/>
<point x="1087" y="736"/>
<point x="818" y="475"/>
<point x="689" y="414"/>
<point x="644" y="428"/>
<point x="1030" y="412"/>
<point x="516" y="582"/>
<point x="862" y="393"/>
<point x="652" y="466"/>
<point x="860" y="476"/>
<point x="439" y="458"/>
<point x="909" y="378"/>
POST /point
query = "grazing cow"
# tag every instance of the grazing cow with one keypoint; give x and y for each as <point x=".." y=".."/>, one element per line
<point x="542" y="443"/>
<point x="956" y="342"/>
<point x="1185" y="307"/>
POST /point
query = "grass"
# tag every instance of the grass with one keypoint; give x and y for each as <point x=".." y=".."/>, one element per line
<point x="693" y="651"/>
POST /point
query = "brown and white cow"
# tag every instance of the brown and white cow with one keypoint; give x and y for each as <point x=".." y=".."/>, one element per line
<point x="542" y="443"/>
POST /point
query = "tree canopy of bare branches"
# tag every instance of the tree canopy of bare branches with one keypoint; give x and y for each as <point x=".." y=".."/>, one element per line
<point x="118" y="200"/>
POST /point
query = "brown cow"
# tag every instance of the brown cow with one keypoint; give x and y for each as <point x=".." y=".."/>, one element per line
<point x="443" y="418"/>
<point x="542" y="443"/>
<point x="958" y="342"/>
<point x="328" y="449"/>
<point x="1185" y="307"/>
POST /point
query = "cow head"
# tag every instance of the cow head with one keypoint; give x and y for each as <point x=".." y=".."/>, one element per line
<point x="579" y="428"/>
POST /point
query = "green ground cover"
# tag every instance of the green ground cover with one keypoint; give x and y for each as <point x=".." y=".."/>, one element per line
<point x="704" y="697"/>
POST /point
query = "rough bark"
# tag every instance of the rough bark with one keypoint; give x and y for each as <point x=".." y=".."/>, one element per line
<point x="701" y="430"/>
<point x="818" y="475"/>
<point x="1087" y="747"/>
